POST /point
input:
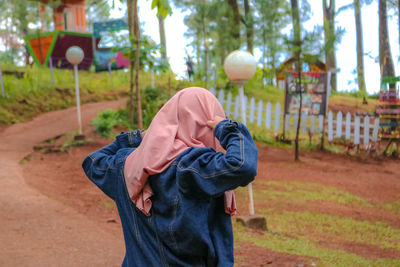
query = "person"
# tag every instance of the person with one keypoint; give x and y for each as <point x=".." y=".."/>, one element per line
<point x="189" y="66"/>
<point x="171" y="186"/>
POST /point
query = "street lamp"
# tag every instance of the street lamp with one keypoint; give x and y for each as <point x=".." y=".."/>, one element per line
<point x="75" y="56"/>
<point x="241" y="66"/>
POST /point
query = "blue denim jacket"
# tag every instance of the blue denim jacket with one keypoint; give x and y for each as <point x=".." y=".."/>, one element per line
<point x="188" y="225"/>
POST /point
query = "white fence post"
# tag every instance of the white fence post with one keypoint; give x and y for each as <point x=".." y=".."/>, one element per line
<point x="330" y="126"/>
<point x="277" y="116"/>
<point x="252" y="109"/>
<point x="213" y="91"/>
<point x="348" y="125"/>
<point x="268" y="116"/>
<point x="357" y="130"/>
<point x="245" y="107"/>
<point x="376" y="129"/>
<point x="303" y="123"/>
<point x="236" y="107"/>
<point x="259" y="113"/>
<point x="296" y="121"/>
<point x="221" y="97"/>
<point x="366" y="130"/>
<point x="339" y="117"/>
<point x="312" y="124"/>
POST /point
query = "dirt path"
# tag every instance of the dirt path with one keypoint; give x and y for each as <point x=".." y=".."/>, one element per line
<point x="52" y="215"/>
<point x="37" y="230"/>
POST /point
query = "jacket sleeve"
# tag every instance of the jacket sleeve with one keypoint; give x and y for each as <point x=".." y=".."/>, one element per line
<point x="100" y="166"/>
<point x="204" y="173"/>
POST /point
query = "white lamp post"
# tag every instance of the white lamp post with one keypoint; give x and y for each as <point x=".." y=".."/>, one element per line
<point x="75" y="56"/>
<point x="241" y="66"/>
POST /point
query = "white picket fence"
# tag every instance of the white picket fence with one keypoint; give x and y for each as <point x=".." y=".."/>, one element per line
<point x="352" y="128"/>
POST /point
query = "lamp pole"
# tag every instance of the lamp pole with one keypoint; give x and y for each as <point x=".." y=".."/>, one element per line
<point x="75" y="56"/>
<point x="241" y="66"/>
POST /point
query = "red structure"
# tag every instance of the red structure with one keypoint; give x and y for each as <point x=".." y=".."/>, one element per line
<point x="70" y="29"/>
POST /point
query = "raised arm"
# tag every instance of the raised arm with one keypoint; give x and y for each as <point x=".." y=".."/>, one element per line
<point x="204" y="173"/>
<point x="99" y="166"/>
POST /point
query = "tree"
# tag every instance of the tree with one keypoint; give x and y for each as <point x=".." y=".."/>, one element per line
<point x="162" y="37"/>
<point x="134" y="37"/>
<point x="271" y="21"/>
<point x="249" y="23"/>
<point x="357" y="4"/>
<point x="385" y="56"/>
<point x="360" y="47"/>
<point x="329" y="29"/>
<point x="297" y="54"/>
<point x="235" y="28"/>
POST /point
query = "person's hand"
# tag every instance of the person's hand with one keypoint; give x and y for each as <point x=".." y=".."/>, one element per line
<point x="143" y="133"/>
<point x="214" y="122"/>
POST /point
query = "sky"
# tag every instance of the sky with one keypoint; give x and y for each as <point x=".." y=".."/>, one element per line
<point x="345" y="50"/>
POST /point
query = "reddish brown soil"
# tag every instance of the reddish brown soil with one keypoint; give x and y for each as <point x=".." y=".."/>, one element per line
<point x="51" y="215"/>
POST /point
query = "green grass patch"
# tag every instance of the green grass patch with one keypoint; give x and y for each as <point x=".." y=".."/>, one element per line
<point x="321" y="227"/>
<point x="393" y="206"/>
<point x="302" y="193"/>
<point x="302" y="246"/>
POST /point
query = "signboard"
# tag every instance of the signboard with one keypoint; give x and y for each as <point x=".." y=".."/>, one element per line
<point x="314" y="93"/>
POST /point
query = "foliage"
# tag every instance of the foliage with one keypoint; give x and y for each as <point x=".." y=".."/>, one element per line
<point x="148" y="54"/>
<point x="108" y="119"/>
<point x="153" y="100"/>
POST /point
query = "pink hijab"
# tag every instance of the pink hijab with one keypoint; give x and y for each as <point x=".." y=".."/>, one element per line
<point x="178" y="125"/>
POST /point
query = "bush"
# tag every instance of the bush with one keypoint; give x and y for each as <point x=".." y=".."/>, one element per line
<point x="108" y="119"/>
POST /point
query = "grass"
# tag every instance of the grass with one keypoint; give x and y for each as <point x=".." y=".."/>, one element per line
<point x="35" y="94"/>
<point x="302" y="193"/>
<point x="302" y="246"/>
<point x="305" y="232"/>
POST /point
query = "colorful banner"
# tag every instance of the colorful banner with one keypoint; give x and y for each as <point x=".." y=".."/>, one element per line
<point x="313" y="88"/>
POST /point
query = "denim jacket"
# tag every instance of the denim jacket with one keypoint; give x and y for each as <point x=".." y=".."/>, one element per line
<point x="188" y="225"/>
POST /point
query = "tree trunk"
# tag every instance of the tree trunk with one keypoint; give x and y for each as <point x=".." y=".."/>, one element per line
<point x="329" y="30"/>
<point x="385" y="56"/>
<point x="198" y="46"/>
<point x="297" y="54"/>
<point x="137" y="64"/>
<point x="131" y="66"/>
<point x="235" y="29"/>
<point x="249" y="26"/>
<point x="398" y="12"/>
<point x="162" y="38"/>
<point x="360" y="48"/>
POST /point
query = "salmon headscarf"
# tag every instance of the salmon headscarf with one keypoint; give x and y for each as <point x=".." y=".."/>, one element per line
<point x="180" y="124"/>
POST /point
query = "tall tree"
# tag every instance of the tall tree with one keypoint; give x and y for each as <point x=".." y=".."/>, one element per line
<point x="360" y="47"/>
<point x="235" y="28"/>
<point x="385" y="56"/>
<point x="297" y="55"/>
<point x="162" y="37"/>
<point x="272" y="17"/>
<point x="249" y="23"/>
<point x="329" y="29"/>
